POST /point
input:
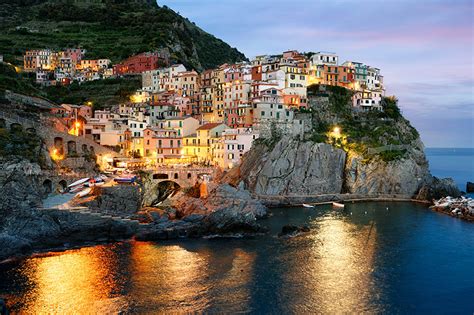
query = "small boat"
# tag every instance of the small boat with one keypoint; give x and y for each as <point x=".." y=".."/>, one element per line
<point x="83" y="193"/>
<point x="307" y="205"/>
<point x="79" y="182"/>
<point x="96" y="181"/>
<point x="125" y="179"/>
<point x="337" y="205"/>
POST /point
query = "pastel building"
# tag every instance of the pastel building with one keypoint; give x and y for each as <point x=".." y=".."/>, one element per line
<point x="229" y="149"/>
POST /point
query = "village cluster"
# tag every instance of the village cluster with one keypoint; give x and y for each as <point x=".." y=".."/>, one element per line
<point x="180" y="116"/>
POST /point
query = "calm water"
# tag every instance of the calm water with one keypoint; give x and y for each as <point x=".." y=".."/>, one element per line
<point x="455" y="163"/>
<point x="361" y="259"/>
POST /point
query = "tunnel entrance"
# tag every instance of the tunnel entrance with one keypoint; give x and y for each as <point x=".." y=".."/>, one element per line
<point x="47" y="187"/>
<point x="165" y="189"/>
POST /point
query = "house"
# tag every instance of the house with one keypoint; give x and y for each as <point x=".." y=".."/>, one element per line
<point x="184" y="126"/>
<point x="164" y="146"/>
<point x="232" y="145"/>
<point x="199" y="145"/>
<point x="324" y="58"/>
<point x="139" y="63"/>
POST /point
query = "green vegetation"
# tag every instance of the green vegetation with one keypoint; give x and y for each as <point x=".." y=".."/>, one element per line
<point x="19" y="82"/>
<point x="102" y="93"/>
<point x="107" y="29"/>
<point x="359" y="131"/>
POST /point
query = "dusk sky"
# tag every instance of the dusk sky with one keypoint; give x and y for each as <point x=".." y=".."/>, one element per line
<point x="424" y="48"/>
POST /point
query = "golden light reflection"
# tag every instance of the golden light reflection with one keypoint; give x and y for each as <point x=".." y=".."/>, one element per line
<point x="337" y="275"/>
<point x="175" y="278"/>
<point x="79" y="282"/>
<point x="178" y="284"/>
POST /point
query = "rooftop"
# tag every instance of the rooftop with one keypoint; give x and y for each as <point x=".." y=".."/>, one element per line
<point x="209" y="126"/>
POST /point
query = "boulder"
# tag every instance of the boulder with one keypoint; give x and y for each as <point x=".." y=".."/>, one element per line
<point x="437" y="188"/>
<point x="292" y="230"/>
<point x="470" y="187"/>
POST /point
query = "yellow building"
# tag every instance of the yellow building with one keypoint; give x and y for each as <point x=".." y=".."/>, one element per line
<point x="199" y="146"/>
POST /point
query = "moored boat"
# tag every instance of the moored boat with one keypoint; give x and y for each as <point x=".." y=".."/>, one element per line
<point x="125" y="179"/>
<point x="337" y="205"/>
<point x="307" y="205"/>
<point x="83" y="193"/>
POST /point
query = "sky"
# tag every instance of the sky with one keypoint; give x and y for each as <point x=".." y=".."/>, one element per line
<point x="424" y="48"/>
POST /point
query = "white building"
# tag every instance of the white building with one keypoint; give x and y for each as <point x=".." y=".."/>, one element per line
<point x="233" y="144"/>
<point x="324" y="58"/>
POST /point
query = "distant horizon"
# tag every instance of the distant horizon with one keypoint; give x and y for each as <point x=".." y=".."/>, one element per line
<point x="427" y="61"/>
<point x="426" y="147"/>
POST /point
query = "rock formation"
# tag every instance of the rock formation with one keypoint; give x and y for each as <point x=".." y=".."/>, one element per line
<point x="292" y="167"/>
<point x="402" y="176"/>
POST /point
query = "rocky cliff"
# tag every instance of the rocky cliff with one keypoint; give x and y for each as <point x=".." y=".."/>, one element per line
<point x="292" y="167"/>
<point x="372" y="153"/>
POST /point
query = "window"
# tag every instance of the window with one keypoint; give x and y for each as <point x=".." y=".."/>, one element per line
<point x="263" y="113"/>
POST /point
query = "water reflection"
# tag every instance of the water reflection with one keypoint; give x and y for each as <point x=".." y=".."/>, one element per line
<point x="77" y="282"/>
<point x="174" y="277"/>
<point x="365" y="259"/>
<point x="335" y="274"/>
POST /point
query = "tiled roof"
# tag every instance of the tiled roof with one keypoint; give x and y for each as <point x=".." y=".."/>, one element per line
<point x="209" y="126"/>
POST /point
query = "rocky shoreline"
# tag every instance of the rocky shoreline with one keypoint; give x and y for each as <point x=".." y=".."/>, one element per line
<point x="462" y="208"/>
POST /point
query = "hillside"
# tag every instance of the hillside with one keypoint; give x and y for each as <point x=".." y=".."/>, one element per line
<point x="113" y="29"/>
<point x="102" y="93"/>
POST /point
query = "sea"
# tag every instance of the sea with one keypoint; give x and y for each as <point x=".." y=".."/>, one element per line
<point x="457" y="163"/>
<point x="371" y="257"/>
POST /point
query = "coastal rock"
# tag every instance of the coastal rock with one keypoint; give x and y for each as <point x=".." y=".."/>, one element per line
<point x="293" y="230"/>
<point x="116" y="200"/>
<point x="20" y="188"/>
<point x="291" y="167"/>
<point x="404" y="176"/>
<point x="227" y="210"/>
<point x="436" y="188"/>
<point x="469" y="187"/>
<point x="459" y="207"/>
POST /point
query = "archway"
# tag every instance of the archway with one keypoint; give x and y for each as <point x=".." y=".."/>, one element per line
<point x="164" y="190"/>
<point x="58" y="145"/>
<point x="71" y="148"/>
<point x="16" y="127"/>
<point x="47" y="187"/>
<point x="62" y="186"/>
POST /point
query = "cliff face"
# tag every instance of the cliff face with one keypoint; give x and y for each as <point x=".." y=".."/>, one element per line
<point x="292" y="167"/>
<point x="404" y="176"/>
<point x="296" y="167"/>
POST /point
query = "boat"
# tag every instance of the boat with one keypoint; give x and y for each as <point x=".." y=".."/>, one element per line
<point x="96" y="181"/>
<point x="83" y="193"/>
<point x="337" y="205"/>
<point x="307" y="205"/>
<point x="125" y="179"/>
<point x="79" y="182"/>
